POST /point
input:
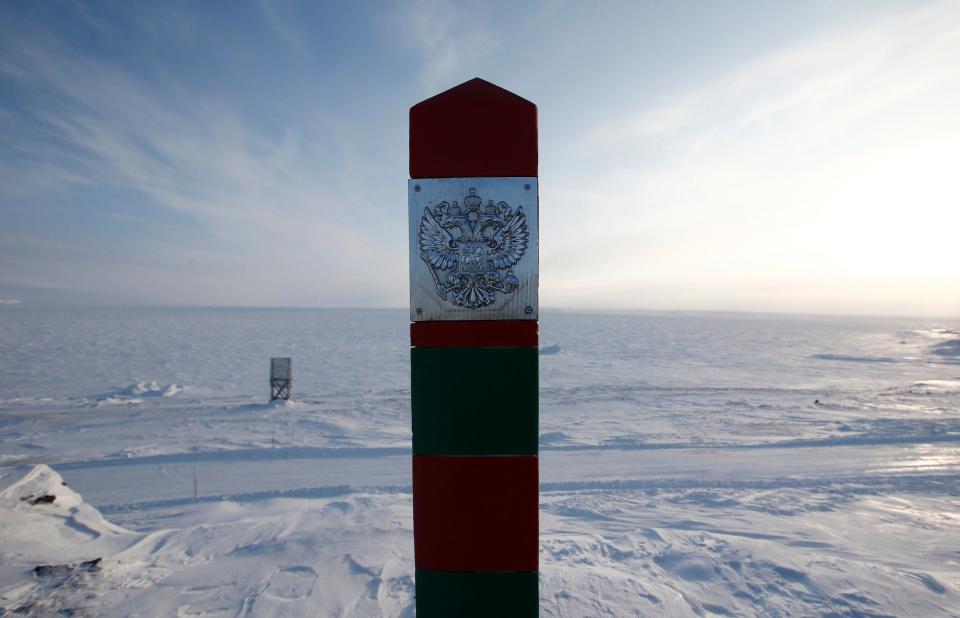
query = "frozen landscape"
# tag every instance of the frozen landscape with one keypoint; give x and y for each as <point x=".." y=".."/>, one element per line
<point x="699" y="464"/>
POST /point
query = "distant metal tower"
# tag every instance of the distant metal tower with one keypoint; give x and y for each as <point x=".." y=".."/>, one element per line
<point x="281" y="378"/>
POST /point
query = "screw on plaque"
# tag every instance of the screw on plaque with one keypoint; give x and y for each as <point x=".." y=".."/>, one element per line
<point x="528" y="309"/>
<point x="419" y="310"/>
<point x="526" y="187"/>
<point x="416" y="188"/>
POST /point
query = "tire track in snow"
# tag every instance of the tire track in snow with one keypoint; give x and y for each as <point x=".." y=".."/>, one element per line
<point x="307" y="452"/>
<point x="253" y="454"/>
<point x="931" y="483"/>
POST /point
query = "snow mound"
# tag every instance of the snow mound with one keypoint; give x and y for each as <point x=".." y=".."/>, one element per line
<point x="937" y="333"/>
<point x="855" y="359"/>
<point x="935" y="386"/>
<point x="51" y="543"/>
<point x="41" y="515"/>
<point x="554" y="437"/>
<point x="59" y="556"/>
<point x="948" y="349"/>
<point x="549" y="350"/>
<point x="136" y="392"/>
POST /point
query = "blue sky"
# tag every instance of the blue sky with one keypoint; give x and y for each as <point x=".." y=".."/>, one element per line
<point x="734" y="156"/>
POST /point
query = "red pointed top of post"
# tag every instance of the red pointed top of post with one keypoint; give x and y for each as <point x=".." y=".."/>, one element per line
<point x="474" y="129"/>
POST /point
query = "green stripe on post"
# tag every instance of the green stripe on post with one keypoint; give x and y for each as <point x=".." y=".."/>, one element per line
<point x="474" y="401"/>
<point x="450" y="594"/>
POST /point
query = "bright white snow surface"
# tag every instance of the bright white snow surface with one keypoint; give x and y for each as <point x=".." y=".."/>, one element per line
<point x="691" y="464"/>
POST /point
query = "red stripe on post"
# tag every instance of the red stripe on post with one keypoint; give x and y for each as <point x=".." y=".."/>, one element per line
<point x="475" y="513"/>
<point x="475" y="334"/>
<point x="474" y="129"/>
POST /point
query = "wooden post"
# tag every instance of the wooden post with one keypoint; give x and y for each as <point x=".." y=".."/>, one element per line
<point x="474" y="271"/>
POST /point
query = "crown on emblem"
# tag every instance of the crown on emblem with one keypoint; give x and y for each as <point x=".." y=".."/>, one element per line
<point x="473" y="200"/>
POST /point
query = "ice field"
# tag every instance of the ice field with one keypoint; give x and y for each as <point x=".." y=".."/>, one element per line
<point x="692" y="464"/>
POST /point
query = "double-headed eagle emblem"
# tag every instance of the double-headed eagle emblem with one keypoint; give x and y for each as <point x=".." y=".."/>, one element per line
<point x="467" y="247"/>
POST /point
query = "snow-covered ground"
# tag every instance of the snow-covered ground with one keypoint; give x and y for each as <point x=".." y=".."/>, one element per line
<point x="691" y="464"/>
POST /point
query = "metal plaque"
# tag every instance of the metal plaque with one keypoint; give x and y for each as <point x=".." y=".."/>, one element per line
<point x="473" y="248"/>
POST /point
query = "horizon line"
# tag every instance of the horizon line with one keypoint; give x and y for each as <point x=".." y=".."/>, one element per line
<point x="21" y="304"/>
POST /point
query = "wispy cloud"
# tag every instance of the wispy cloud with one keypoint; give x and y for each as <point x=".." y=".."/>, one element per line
<point x="450" y="37"/>
<point x="270" y="212"/>
<point x="281" y="25"/>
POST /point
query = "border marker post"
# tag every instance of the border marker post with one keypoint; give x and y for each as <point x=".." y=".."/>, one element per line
<point x="474" y="334"/>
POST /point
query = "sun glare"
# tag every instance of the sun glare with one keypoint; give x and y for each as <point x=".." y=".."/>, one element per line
<point x="898" y="216"/>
